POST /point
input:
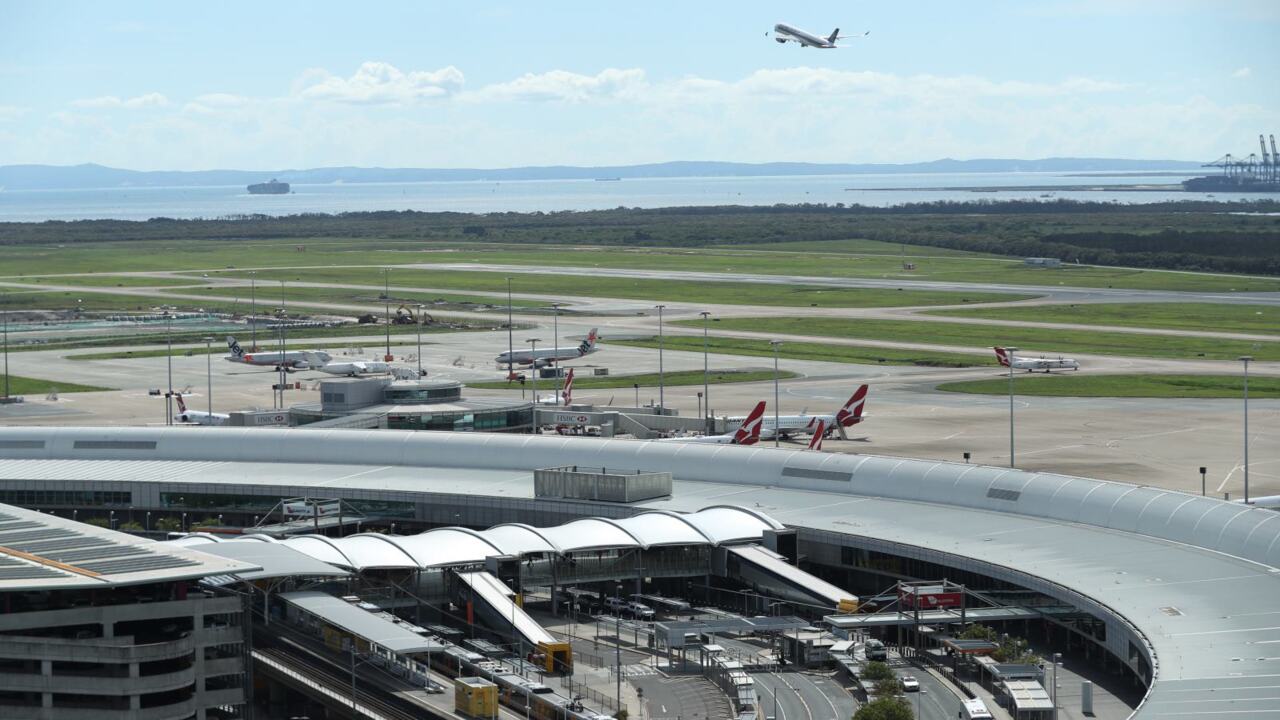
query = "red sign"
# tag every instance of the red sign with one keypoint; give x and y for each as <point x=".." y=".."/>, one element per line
<point x="930" y="600"/>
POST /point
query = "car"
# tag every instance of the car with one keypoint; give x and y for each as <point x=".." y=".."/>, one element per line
<point x="910" y="684"/>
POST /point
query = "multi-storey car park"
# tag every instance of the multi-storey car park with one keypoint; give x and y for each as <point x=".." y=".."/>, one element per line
<point x="1177" y="591"/>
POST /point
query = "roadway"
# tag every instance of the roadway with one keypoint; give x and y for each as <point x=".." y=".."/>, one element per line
<point x="795" y="695"/>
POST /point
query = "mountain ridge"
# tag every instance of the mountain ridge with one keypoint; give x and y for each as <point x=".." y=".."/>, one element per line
<point x="93" y="176"/>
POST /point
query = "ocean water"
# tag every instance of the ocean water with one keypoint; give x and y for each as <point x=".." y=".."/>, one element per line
<point x="554" y="195"/>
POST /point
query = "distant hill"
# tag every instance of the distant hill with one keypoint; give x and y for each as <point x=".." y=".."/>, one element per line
<point x="59" y="177"/>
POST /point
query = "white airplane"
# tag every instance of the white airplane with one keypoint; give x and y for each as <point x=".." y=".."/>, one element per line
<point x="784" y="33"/>
<point x="748" y="432"/>
<point x="1029" y="364"/>
<point x="290" y="359"/>
<point x="847" y="416"/>
<point x="566" y="394"/>
<point x="544" y="357"/>
<point x="198" y="417"/>
<point x="350" y="368"/>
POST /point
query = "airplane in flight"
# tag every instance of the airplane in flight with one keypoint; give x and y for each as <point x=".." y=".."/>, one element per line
<point x="547" y="356"/>
<point x="784" y="33"/>
<point x="350" y="368"/>
<point x="1030" y="364"/>
<point x="847" y="416"/>
<point x="565" y="396"/>
<point x="748" y="432"/>
<point x="198" y="417"/>
<point x="289" y="360"/>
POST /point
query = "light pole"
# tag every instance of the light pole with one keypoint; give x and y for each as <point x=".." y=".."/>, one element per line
<point x="662" y="378"/>
<point x="706" y="387"/>
<point x="6" y="345"/>
<point x="533" y="369"/>
<point x="1057" y="658"/>
<point x="168" y="398"/>
<point x="208" y="372"/>
<point x="1245" y="359"/>
<point x="419" y="324"/>
<point x="775" y="344"/>
<point x="555" y="345"/>
<point x="1009" y="351"/>
<point x="386" y="296"/>
<point x="617" y="641"/>
<point x="253" y="309"/>
<point x="511" y="348"/>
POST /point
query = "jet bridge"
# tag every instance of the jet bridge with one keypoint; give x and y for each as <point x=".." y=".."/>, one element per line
<point x="772" y="574"/>
<point x="495" y="603"/>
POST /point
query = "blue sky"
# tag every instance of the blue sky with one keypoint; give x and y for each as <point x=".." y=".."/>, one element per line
<point x="267" y="85"/>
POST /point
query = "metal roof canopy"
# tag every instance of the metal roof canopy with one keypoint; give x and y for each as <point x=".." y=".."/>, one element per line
<point x="361" y="623"/>
<point x="1027" y="695"/>
<point x="274" y="559"/>
<point x="971" y="647"/>
<point x="672" y="633"/>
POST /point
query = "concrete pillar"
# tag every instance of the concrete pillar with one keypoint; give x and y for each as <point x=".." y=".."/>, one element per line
<point x="134" y="670"/>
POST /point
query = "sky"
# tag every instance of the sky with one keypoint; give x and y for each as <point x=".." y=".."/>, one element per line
<point x="285" y="84"/>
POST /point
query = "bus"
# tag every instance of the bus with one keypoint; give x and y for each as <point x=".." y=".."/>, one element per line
<point x="975" y="709"/>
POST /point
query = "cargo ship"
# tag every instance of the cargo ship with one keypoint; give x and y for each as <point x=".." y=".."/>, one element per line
<point x="1230" y="183"/>
<point x="275" y="187"/>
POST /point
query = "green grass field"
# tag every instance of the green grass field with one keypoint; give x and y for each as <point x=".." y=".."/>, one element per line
<point x="813" y="351"/>
<point x="269" y="294"/>
<point x="1134" y="386"/>
<point x="672" y="379"/>
<point x="129" y="281"/>
<point x="856" y="246"/>
<point x="1251" y="319"/>
<point x="727" y="293"/>
<point x="1031" y="340"/>
<point x="88" y="301"/>
<point x="34" y="386"/>
<point x="340" y="253"/>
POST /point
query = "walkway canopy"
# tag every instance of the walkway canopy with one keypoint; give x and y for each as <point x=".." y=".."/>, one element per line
<point x="456" y="547"/>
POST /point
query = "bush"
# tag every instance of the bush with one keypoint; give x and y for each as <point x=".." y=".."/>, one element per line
<point x="876" y="671"/>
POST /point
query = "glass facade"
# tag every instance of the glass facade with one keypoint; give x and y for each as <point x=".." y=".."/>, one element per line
<point x="413" y="395"/>
<point x="73" y="498"/>
<point x="262" y="504"/>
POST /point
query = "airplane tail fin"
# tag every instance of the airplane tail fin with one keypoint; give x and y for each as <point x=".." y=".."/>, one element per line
<point x="234" y="347"/>
<point x="567" y="394"/>
<point x="749" y="431"/>
<point x="851" y="413"/>
<point x="182" y="407"/>
<point x="314" y="360"/>
<point x="834" y="35"/>
<point x="1002" y="355"/>
<point x="815" y="442"/>
<point x="589" y="344"/>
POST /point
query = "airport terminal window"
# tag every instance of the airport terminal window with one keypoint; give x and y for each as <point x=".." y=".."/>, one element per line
<point x="405" y="395"/>
<point x="77" y="498"/>
<point x="211" y="501"/>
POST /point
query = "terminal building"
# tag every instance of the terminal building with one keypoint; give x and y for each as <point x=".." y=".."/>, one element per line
<point x="411" y="405"/>
<point x="1170" y="592"/>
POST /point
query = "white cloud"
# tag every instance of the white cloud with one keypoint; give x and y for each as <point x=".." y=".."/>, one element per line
<point x="1243" y="72"/>
<point x="111" y="101"/>
<point x="9" y="113"/>
<point x="380" y="83"/>
<point x="561" y="85"/>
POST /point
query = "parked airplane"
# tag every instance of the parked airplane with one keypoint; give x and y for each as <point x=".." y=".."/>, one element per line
<point x="1032" y="364"/>
<point x="289" y="359"/>
<point x="784" y="33"/>
<point x="565" y="395"/>
<point x="198" y="417"/>
<point x="847" y="416"/>
<point x="547" y="356"/>
<point x="748" y="432"/>
<point x="819" y="432"/>
<point x="350" y="368"/>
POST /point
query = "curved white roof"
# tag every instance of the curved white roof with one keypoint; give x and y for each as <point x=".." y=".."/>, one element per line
<point x="519" y="539"/>
<point x="445" y="546"/>
<point x="656" y="529"/>
<point x="320" y="548"/>
<point x="1186" y="582"/>
<point x="590" y="534"/>
<point x="726" y="524"/>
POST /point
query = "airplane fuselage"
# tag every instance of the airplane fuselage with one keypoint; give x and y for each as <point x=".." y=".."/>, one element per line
<point x="784" y="32"/>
